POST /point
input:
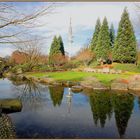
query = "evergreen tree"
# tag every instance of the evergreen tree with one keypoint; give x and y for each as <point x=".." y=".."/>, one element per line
<point x="112" y="35"/>
<point x="94" y="40"/>
<point x="125" y="44"/>
<point x="55" y="47"/>
<point x="103" y="44"/>
<point x="61" y="45"/>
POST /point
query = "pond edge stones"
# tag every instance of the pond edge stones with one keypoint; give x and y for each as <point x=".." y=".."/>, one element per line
<point x="93" y="83"/>
<point x="134" y="83"/>
<point x="119" y="85"/>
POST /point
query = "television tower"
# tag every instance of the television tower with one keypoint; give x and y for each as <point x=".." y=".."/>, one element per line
<point x="70" y="35"/>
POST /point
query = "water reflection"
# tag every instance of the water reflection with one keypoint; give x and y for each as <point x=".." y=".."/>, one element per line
<point x="69" y="99"/>
<point x="95" y="114"/>
<point x="104" y="103"/>
<point x="30" y="93"/>
<point x="123" y="106"/>
<point x="56" y="94"/>
<point x="139" y="102"/>
<point x="101" y="106"/>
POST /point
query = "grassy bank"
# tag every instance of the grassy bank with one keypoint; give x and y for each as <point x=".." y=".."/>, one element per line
<point x="77" y="76"/>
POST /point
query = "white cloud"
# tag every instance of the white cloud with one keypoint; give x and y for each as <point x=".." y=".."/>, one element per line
<point x="84" y="16"/>
<point x="4" y="51"/>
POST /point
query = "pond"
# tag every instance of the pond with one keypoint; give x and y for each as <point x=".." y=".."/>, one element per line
<point x="57" y="112"/>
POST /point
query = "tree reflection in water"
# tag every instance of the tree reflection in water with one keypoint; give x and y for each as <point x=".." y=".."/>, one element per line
<point x="56" y="94"/>
<point x="139" y="102"/>
<point x="103" y="104"/>
<point x="123" y="106"/>
<point x="30" y="93"/>
<point x="101" y="107"/>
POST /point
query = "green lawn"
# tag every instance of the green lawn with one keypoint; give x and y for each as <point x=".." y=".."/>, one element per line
<point x="77" y="76"/>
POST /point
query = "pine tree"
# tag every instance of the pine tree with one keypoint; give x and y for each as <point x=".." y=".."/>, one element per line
<point x="56" y="50"/>
<point x="103" y="44"/>
<point x="94" y="40"/>
<point x="55" y="47"/>
<point x="112" y="35"/>
<point x="125" y="44"/>
<point x="61" y="45"/>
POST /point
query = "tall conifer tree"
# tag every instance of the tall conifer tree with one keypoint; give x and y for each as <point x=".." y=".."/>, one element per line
<point x="112" y="35"/>
<point x="103" y="45"/>
<point x="125" y="44"/>
<point x="61" y="45"/>
<point x="55" y="47"/>
<point x="95" y="35"/>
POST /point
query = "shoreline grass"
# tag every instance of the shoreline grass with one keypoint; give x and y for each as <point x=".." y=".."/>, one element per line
<point x="78" y="76"/>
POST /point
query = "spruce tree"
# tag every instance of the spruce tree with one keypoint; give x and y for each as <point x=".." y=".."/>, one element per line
<point x="112" y="35"/>
<point x="94" y="40"/>
<point x="61" y="45"/>
<point x="103" y="44"/>
<point x="125" y="44"/>
<point x="55" y="47"/>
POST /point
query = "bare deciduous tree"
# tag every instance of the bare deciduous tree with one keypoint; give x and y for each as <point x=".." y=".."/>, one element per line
<point x="16" y="23"/>
<point x="85" y="55"/>
<point x="32" y="53"/>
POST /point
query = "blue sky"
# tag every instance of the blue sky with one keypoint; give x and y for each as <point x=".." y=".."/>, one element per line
<point x="83" y="15"/>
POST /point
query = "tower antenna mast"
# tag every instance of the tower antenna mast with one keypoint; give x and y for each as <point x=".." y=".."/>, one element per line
<point x="70" y="35"/>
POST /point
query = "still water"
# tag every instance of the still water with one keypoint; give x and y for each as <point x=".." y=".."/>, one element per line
<point x="48" y="112"/>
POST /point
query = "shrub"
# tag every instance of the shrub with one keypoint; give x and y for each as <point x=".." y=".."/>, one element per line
<point x="85" y="55"/>
<point x="69" y="65"/>
<point x="23" y="67"/>
<point x="43" y="68"/>
<point x="40" y="68"/>
<point x="94" y="64"/>
<point x="15" y="68"/>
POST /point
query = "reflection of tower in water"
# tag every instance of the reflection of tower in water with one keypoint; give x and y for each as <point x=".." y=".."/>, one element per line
<point x="69" y="99"/>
